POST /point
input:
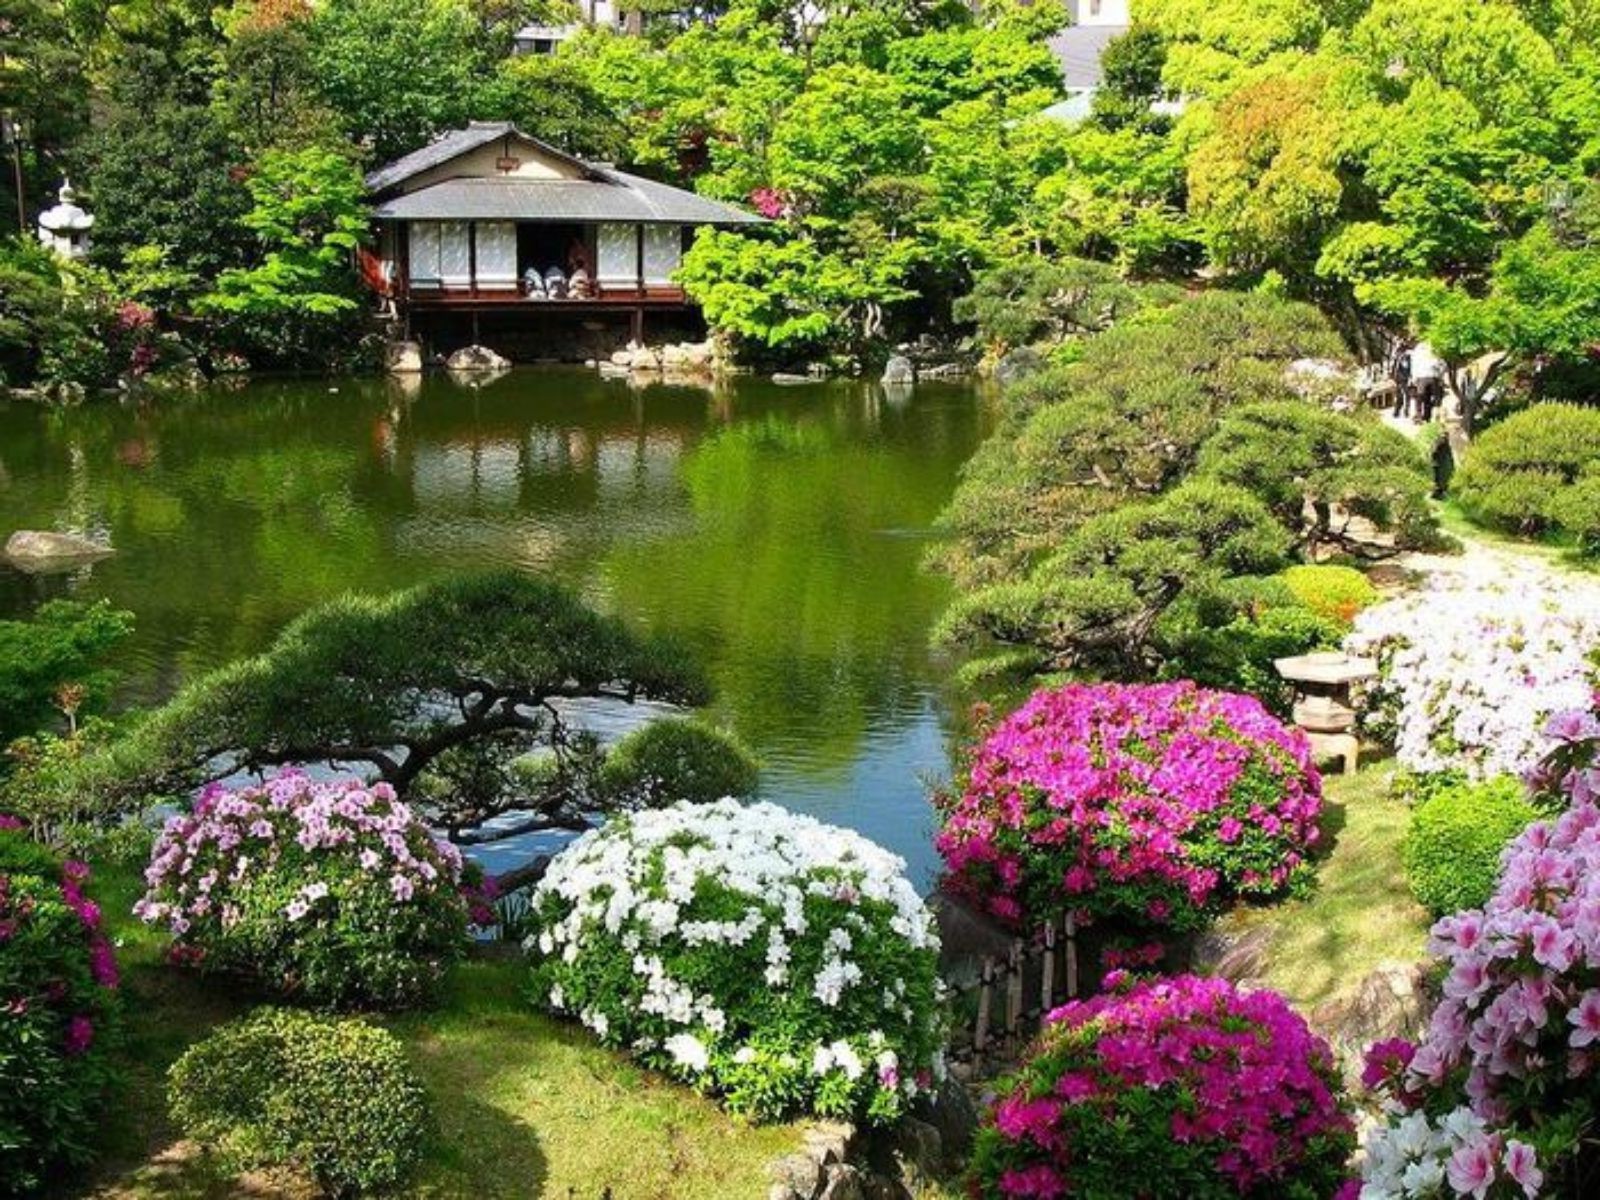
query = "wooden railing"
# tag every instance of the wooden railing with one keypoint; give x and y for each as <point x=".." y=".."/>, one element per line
<point x="1006" y="1004"/>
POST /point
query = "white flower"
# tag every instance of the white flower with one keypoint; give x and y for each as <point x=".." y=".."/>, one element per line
<point x="688" y="1051"/>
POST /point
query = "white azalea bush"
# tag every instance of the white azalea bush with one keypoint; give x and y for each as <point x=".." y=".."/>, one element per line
<point x="784" y="965"/>
<point x="1472" y="669"/>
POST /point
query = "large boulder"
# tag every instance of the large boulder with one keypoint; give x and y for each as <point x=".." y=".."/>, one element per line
<point x="1393" y="1001"/>
<point x="403" y="358"/>
<point x="477" y="358"/>
<point x="898" y="371"/>
<point x="42" y="549"/>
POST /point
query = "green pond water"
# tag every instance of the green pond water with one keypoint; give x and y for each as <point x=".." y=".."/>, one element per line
<point x="778" y="531"/>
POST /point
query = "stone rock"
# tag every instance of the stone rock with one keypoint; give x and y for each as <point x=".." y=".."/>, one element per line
<point x="789" y="378"/>
<point x="699" y="354"/>
<point x="1018" y="364"/>
<point x="1392" y="1001"/>
<point x="966" y="938"/>
<point x="477" y="358"/>
<point x="673" y="357"/>
<point x="953" y="1118"/>
<point x="918" y="1153"/>
<point x="1233" y="956"/>
<point x="829" y="1142"/>
<point x="622" y="358"/>
<point x="403" y="358"/>
<point x="38" y="548"/>
<point x="844" y="1183"/>
<point x="898" y="370"/>
<point x="796" y="1175"/>
<point x="946" y="370"/>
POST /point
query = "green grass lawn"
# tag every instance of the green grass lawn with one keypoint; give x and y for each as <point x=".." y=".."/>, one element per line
<point x="525" y="1107"/>
<point x="1360" y="913"/>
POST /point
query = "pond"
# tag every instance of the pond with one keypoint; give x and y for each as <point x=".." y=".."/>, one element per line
<point x="778" y="531"/>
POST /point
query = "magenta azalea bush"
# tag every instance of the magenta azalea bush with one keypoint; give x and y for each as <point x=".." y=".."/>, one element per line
<point x="58" y="984"/>
<point x="1175" y="1087"/>
<point x="1501" y="1097"/>
<point x="335" y="893"/>
<point x="1156" y="804"/>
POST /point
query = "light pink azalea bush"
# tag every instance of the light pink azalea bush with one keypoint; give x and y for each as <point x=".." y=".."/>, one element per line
<point x="1152" y="804"/>
<point x="331" y="892"/>
<point x="1183" y="1086"/>
<point x="1507" y="1080"/>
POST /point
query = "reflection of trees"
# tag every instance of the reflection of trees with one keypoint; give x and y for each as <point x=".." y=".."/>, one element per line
<point x="800" y="581"/>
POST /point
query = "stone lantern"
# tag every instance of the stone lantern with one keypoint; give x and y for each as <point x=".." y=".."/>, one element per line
<point x="65" y="227"/>
<point x="1324" y="706"/>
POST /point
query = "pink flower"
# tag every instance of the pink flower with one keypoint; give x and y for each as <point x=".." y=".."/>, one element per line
<point x="1470" y="1169"/>
<point x="402" y="888"/>
<point x="1521" y="1164"/>
<point x="80" y="1035"/>
<point x="1586" y="1018"/>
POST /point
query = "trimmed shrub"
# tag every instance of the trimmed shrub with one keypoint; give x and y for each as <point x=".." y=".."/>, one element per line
<point x="1174" y="1087"/>
<point x="1452" y="850"/>
<point x="335" y="893"/>
<point x="676" y="759"/>
<point x="58" y="982"/>
<point x="331" y="1096"/>
<point x="784" y="965"/>
<point x="1156" y="805"/>
<point x="1336" y="593"/>
<point x="1535" y="471"/>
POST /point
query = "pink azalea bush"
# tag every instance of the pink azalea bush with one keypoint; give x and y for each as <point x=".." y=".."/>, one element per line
<point x="333" y="892"/>
<point x="58" y="985"/>
<point x="1184" y="1086"/>
<point x="1153" y="804"/>
<point x="1515" y="1039"/>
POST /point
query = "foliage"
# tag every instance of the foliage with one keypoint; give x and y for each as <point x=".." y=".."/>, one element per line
<point x="1151" y="805"/>
<point x="1536" y="471"/>
<point x="1333" y="592"/>
<point x="1506" y="1059"/>
<point x="55" y="663"/>
<point x="308" y="216"/>
<point x="1452" y="851"/>
<point x="410" y="684"/>
<point x="1178" y="1086"/>
<point x="1171" y="455"/>
<point x="334" y="1096"/>
<point x="335" y="893"/>
<point x="58" y="980"/>
<point x="1025" y="301"/>
<point x="1471" y="670"/>
<point x="783" y="965"/>
<point x="673" y="759"/>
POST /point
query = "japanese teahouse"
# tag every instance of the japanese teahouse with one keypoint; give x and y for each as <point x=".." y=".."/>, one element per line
<point x="487" y="219"/>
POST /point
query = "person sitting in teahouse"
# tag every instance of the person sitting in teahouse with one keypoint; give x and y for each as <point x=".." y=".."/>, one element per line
<point x="555" y="283"/>
<point x="579" y="285"/>
<point x="533" y="284"/>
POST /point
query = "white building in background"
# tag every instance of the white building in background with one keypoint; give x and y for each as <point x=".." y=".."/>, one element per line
<point x="65" y="227"/>
<point x="1078" y="47"/>
<point x="544" y="39"/>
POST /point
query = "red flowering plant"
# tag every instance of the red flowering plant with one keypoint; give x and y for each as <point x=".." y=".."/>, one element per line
<point x="1156" y="805"/>
<point x="1172" y="1087"/>
<point x="58" y="982"/>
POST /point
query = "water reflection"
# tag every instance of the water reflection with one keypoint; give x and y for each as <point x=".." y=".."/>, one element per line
<point x="778" y="530"/>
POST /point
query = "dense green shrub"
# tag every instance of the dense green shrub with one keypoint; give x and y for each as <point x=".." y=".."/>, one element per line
<point x="1337" y="593"/>
<point x="58" y="980"/>
<point x="676" y="759"/>
<point x="1535" y="472"/>
<point x="56" y="662"/>
<point x="1452" y="850"/>
<point x="332" y="1096"/>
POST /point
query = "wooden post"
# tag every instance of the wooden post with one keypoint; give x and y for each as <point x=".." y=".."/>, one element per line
<point x="980" y="1032"/>
<point x="638" y="325"/>
<point x="1070" y="928"/>
<point x="1014" y="986"/>
<point x="1047" y="980"/>
<point x="472" y="269"/>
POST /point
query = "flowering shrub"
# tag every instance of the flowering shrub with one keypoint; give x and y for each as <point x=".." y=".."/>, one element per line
<point x="1516" y="1034"/>
<point x="334" y="892"/>
<point x="1471" y="671"/>
<point x="1458" y="1154"/>
<point x="333" y="1096"/>
<point x="1181" y="1086"/>
<point x="1156" y="804"/>
<point x="58" y="982"/>
<point x="783" y="964"/>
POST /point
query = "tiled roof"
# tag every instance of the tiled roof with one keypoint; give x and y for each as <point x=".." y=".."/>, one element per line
<point x="452" y="145"/>
<point x="610" y="196"/>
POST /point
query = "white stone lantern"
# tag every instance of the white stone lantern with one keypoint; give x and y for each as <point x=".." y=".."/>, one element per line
<point x="1324" y="705"/>
<point x="65" y="227"/>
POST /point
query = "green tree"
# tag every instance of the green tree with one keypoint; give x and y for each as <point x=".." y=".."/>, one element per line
<point x="1029" y="300"/>
<point x="55" y="665"/>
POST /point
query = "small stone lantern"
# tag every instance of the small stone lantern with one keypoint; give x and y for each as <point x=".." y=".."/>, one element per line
<point x="1323" y="704"/>
<point x="65" y="227"/>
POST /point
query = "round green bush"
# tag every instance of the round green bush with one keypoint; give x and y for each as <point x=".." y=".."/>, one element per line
<point x="332" y="1096"/>
<point x="1452" y="850"/>
<point x="1336" y="593"/>
<point x="58" y="981"/>
<point x="677" y="759"/>
<point x="1535" y="472"/>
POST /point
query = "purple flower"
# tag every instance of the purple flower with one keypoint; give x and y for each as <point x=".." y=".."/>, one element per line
<point x="80" y="1034"/>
